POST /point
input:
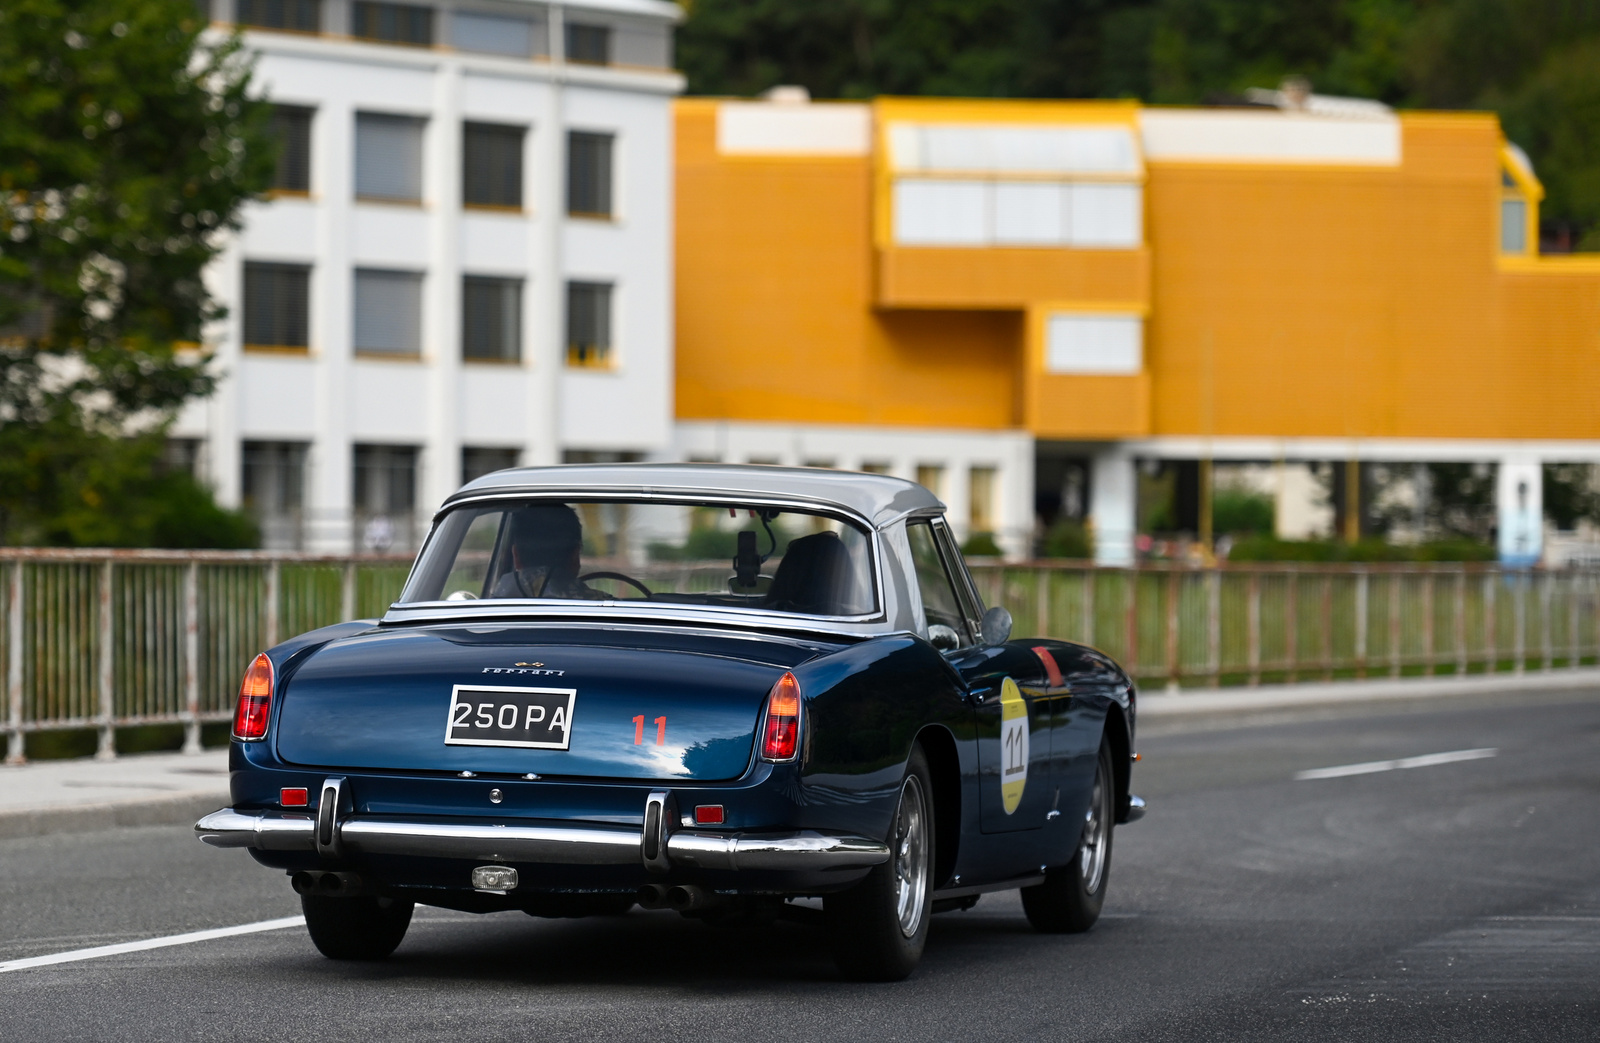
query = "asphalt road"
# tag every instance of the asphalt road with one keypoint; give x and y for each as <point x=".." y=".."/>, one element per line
<point x="1454" y="901"/>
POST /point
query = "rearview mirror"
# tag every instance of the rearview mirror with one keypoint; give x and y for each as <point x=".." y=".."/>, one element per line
<point x="996" y="626"/>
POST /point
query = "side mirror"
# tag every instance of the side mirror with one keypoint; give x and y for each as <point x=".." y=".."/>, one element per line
<point x="996" y="626"/>
<point x="944" y="638"/>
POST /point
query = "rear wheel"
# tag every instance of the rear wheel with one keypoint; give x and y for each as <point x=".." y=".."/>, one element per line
<point x="1070" y="898"/>
<point x="366" y="928"/>
<point x="879" y="927"/>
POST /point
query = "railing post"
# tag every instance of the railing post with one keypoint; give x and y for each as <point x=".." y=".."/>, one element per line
<point x="1131" y="623"/>
<point x="1519" y="634"/>
<point x="1395" y="578"/>
<point x="1361" y="623"/>
<point x="1253" y="627"/>
<point x="1427" y="622"/>
<point x="269" y="608"/>
<point x="1325" y="624"/>
<point x="1090" y="577"/>
<point x="1491" y="622"/>
<point x="1291" y="625"/>
<point x="1547" y="634"/>
<point x="1460" y="628"/>
<point x="191" y="658"/>
<point x="1214" y="626"/>
<point x="347" y="593"/>
<point x="1041" y="609"/>
<point x="14" y="743"/>
<point x="1174" y="594"/>
<point x="1574" y="647"/>
<point x="107" y="749"/>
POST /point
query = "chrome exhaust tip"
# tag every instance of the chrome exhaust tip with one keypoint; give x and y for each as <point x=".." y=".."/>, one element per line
<point x="320" y="883"/>
<point x="688" y="897"/>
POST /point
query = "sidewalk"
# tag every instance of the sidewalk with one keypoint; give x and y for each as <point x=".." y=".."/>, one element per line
<point x="137" y="790"/>
<point x="1156" y="702"/>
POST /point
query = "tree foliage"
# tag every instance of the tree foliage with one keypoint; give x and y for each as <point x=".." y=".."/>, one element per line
<point x="1536" y="62"/>
<point x="127" y="147"/>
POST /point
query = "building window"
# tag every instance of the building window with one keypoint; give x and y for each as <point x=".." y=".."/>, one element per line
<point x="291" y="125"/>
<point x="876" y="467"/>
<point x="303" y="16"/>
<point x="183" y="456"/>
<point x="589" y="44"/>
<point x="1513" y="225"/>
<point x="491" y="319"/>
<point x="277" y="305"/>
<point x="936" y="212"/>
<point x="491" y="165"/>
<point x="1100" y="344"/>
<point x="274" y="481"/>
<point x="388" y="312"/>
<point x="392" y="23"/>
<point x="477" y="461"/>
<point x="389" y="157"/>
<point x="931" y="478"/>
<point x="589" y="324"/>
<point x="491" y="34"/>
<point x="980" y="499"/>
<point x="588" y="174"/>
<point x="385" y="497"/>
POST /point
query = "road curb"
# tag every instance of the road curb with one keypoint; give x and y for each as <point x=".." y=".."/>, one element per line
<point x="83" y="818"/>
<point x="1344" y="693"/>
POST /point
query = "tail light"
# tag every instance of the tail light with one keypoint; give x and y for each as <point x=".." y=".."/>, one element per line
<point x="780" y="732"/>
<point x="255" y="701"/>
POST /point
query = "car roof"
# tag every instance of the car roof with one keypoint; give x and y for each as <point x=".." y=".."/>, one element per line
<point x="878" y="498"/>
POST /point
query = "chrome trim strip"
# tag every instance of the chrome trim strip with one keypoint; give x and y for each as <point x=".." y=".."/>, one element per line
<point x="276" y="832"/>
<point x="983" y="889"/>
<point x="328" y="805"/>
<point x="559" y="845"/>
<point x="801" y="850"/>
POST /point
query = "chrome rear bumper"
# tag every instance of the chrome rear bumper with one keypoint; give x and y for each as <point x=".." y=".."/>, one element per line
<point x="539" y="844"/>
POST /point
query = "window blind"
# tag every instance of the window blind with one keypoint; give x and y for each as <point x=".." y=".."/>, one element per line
<point x="291" y="125"/>
<point x="491" y="318"/>
<point x="392" y="23"/>
<point x="300" y="15"/>
<point x="589" y="174"/>
<point x="491" y="34"/>
<point x="277" y="300"/>
<point x="388" y="157"/>
<point x="491" y="165"/>
<point x="588" y="324"/>
<point x="388" y="312"/>
<point x="589" y="44"/>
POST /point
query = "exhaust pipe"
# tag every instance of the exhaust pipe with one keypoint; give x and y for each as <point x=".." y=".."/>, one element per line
<point x="653" y="896"/>
<point x="688" y="897"/>
<point x="323" y="884"/>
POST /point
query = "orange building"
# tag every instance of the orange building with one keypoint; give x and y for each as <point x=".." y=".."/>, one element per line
<point x="990" y="295"/>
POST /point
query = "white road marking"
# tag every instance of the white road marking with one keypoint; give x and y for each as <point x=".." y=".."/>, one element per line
<point x="151" y="943"/>
<point x="1427" y="760"/>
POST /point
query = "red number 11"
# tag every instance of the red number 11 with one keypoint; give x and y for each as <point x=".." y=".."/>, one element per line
<point x="638" y="731"/>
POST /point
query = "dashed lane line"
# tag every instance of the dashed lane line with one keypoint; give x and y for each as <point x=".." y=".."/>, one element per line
<point x="1427" y="760"/>
<point x="152" y="943"/>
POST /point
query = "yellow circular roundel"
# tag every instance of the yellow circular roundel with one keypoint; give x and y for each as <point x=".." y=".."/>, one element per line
<point x="1013" y="745"/>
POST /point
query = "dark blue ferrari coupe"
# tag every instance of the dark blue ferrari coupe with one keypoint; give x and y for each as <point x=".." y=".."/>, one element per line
<point x="715" y="689"/>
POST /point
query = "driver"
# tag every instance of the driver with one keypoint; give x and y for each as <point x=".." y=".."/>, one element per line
<point x="545" y="542"/>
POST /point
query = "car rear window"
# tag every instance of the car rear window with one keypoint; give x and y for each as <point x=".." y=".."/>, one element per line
<point x="743" y="556"/>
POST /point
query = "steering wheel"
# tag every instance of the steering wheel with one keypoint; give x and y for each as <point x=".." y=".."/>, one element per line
<point x="618" y="576"/>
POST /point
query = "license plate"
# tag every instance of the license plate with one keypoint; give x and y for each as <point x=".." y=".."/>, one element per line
<point x="538" y="718"/>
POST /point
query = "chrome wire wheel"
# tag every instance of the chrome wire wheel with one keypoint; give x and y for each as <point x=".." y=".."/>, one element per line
<point x="910" y="854"/>
<point x="1093" y="844"/>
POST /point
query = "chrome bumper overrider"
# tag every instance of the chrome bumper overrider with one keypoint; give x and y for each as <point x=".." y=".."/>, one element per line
<point x="560" y="845"/>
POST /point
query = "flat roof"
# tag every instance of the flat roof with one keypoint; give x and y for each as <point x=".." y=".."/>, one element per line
<point x="877" y="497"/>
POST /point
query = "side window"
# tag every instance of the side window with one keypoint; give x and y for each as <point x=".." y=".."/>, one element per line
<point x="940" y="605"/>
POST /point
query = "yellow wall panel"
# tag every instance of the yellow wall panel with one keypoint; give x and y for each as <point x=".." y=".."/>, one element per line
<point x="1001" y="277"/>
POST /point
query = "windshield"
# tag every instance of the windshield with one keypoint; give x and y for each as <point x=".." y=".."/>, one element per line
<point x="778" y="560"/>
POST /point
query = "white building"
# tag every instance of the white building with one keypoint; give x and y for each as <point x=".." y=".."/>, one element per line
<point x="465" y="263"/>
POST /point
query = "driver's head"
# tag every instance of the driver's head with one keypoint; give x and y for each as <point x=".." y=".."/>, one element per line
<point x="547" y="535"/>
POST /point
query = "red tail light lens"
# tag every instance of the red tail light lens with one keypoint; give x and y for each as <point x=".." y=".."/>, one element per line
<point x="255" y="701"/>
<point x="781" y="733"/>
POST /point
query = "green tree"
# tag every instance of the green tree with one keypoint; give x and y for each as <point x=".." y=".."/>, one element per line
<point x="127" y="147"/>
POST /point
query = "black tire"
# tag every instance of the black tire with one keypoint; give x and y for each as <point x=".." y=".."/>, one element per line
<point x="366" y="928"/>
<point x="873" y="938"/>
<point x="1069" y="900"/>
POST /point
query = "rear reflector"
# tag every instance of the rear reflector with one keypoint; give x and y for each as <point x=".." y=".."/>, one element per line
<point x="295" y="797"/>
<point x="708" y="815"/>
<point x="780" y="736"/>
<point x="255" y="701"/>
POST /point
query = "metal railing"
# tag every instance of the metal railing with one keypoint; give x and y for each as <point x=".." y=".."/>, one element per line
<point x="114" y="639"/>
